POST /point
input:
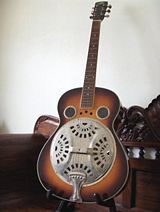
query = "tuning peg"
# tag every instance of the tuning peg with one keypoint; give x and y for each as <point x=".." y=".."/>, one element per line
<point x="107" y="16"/>
<point x="108" y="11"/>
<point x="109" y="6"/>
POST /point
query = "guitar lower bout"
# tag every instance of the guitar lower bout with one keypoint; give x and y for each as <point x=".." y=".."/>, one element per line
<point x="84" y="156"/>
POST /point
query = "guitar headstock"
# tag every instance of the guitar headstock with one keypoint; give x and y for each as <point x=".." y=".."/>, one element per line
<point x="100" y="9"/>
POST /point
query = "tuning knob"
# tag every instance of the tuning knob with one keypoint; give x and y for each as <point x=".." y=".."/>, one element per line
<point x="107" y="16"/>
<point x="109" y="6"/>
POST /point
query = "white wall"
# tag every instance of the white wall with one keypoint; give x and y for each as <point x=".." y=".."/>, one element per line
<point x="43" y="52"/>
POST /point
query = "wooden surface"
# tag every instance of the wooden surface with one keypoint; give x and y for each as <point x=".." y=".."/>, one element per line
<point x="138" y="129"/>
<point x="78" y="208"/>
<point x="18" y="180"/>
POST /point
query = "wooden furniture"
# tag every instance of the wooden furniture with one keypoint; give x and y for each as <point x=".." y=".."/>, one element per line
<point x="139" y="131"/>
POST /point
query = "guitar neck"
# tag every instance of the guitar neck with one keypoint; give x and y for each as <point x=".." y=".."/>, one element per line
<point x="88" y="91"/>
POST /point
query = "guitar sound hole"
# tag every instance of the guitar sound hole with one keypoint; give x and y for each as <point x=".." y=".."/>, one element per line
<point x="69" y="112"/>
<point x="103" y="112"/>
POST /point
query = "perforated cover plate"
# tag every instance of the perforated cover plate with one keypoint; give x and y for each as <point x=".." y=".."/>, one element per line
<point x="84" y="146"/>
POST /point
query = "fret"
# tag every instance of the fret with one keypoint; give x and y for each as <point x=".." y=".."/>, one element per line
<point x="87" y="95"/>
<point x="86" y="101"/>
<point x="89" y="78"/>
<point x="92" y="56"/>
<point x="93" y="43"/>
<point x="91" y="71"/>
<point x="89" y="99"/>
<point x="93" y="46"/>
<point x="92" y="51"/>
<point x="94" y="39"/>
<point x="91" y="65"/>
<point x="87" y="92"/>
<point x="90" y="82"/>
<point x="87" y="105"/>
<point x="91" y="60"/>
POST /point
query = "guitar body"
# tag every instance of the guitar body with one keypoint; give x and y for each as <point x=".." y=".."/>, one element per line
<point x="115" y="178"/>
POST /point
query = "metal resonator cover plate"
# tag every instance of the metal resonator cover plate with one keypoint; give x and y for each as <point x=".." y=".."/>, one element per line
<point x="84" y="147"/>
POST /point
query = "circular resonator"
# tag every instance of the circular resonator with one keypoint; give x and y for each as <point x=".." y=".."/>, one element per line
<point x="103" y="112"/>
<point x="84" y="146"/>
<point x="70" y="112"/>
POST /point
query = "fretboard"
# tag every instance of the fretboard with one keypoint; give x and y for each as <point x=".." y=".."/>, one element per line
<point x="88" y="90"/>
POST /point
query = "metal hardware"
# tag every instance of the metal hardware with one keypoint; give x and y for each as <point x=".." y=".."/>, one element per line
<point x="77" y="179"/>
<point x="82" y="152"/>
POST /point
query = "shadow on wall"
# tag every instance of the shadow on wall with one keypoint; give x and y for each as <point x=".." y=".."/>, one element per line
<point x="4" y="128"/>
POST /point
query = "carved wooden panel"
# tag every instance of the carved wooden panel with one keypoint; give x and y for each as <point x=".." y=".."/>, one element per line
<point x="139" y="124"/>
<point x="139" y="131"/>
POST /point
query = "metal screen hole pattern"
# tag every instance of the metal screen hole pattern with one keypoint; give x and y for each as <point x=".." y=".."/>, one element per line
<point x="83" y="145"/>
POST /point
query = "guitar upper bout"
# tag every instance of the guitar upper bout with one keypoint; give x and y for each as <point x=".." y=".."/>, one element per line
<point x="105" y="109"/>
